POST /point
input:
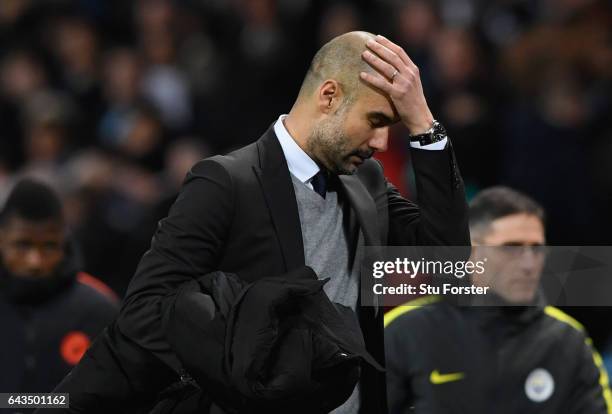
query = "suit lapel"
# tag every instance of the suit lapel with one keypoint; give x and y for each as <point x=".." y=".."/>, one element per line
<point x="364" y="208"/>
<point x="274" y="178"/>
<point x="363" y="205"/>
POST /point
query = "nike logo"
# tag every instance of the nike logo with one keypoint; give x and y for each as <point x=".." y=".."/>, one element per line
<point x="437" y="378"/>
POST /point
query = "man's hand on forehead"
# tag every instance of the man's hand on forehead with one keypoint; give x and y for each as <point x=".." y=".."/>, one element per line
<point x="398" y="76"/>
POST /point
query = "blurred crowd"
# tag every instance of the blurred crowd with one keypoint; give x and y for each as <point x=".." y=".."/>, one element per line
<point x="112" y="101"/>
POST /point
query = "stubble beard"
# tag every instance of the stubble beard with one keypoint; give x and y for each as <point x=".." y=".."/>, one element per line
<point x="329" y="144"/>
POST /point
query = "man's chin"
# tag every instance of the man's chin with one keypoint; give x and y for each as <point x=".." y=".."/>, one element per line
<point x="522" y="297"/>
<point x="347" y="169"/>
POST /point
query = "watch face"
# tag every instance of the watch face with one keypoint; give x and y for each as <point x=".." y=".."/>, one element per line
<point x="437" y="133"/>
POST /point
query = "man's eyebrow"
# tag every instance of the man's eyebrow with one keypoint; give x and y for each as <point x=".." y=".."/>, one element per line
<point x="383" y="117"/>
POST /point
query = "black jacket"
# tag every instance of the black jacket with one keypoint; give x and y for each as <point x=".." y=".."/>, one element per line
<point x="443" y="358"/>
<point x="47" y="324"/>
<point x="274" y="346"/>
<point x="238" y="214"/>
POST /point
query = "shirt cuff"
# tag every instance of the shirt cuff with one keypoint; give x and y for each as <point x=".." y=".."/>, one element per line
<point x="436" y="146"/>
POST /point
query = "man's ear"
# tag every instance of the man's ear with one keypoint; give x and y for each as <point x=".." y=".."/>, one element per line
<point x="329" y="96"/>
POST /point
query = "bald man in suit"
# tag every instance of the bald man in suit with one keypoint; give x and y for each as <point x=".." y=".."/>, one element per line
<point x="306" y="193"/>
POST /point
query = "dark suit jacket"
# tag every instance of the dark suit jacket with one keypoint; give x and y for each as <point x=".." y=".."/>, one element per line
<point x="238" y="214"/>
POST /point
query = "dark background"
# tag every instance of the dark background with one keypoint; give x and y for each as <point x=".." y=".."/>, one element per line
<point x="111" y="101"/>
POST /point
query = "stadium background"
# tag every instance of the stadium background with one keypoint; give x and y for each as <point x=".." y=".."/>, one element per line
<point x="112" y="101"/>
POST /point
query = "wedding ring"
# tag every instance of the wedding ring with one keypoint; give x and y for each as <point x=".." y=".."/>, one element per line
<point x="394" y="75"/>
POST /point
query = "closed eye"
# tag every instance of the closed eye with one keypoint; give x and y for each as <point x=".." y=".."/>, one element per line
<point x="379" y="119"/>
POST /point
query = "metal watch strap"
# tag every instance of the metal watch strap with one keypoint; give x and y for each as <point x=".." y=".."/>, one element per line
<point x="436" y="133"/>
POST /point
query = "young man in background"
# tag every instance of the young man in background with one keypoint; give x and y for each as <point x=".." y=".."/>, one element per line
<point x="49" y="310"/>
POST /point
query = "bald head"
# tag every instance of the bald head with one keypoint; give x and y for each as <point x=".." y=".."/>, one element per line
<point x="339" y="59"/>
<point x="338" y="119"/>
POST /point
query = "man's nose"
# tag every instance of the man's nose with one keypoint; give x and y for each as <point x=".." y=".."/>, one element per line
<point x="33" y="259"/>
<point x="530" y="258"/>
<point x="380" y="139"/>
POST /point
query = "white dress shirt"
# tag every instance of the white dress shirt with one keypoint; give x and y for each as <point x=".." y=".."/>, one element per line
<point x="300" y="164"/>
<point x="303" y="167"/>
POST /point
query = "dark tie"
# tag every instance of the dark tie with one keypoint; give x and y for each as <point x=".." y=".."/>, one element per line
<point x="319" y="183"/>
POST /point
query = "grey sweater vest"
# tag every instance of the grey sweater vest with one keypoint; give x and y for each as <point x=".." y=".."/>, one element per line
<point x="326" y="245"/>
<point x="327" y="250"/>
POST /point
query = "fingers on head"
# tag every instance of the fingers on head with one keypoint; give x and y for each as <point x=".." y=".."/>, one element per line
<point x="377" y="80"/>
<point x="386" y="54"/>
<point x="399" y="51"/>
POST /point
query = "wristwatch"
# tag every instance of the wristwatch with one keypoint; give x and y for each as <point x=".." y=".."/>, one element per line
<point x="436" y="133"/>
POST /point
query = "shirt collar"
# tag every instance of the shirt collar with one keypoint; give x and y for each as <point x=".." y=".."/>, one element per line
<point x="299" y="163"/>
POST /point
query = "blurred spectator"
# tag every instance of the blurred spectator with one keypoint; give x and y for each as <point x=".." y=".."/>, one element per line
<point x="130" y="126"/>
<point x="463" y="100"/>
<point x="164" y="85"/>
<point x="51" y="308"/>
<point x="167" y="89"/>
<point x="47" y="117"/>
<point x="142" y="138"/>
<point x="261" y="39"/>
<point x="21" y="77"/>
<point x="556" y="72"/>
<point x="416" y="23"/>
<point x="75" y="46"/>
<point x="337" y="19"/>
<point x="122" y="76"/>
